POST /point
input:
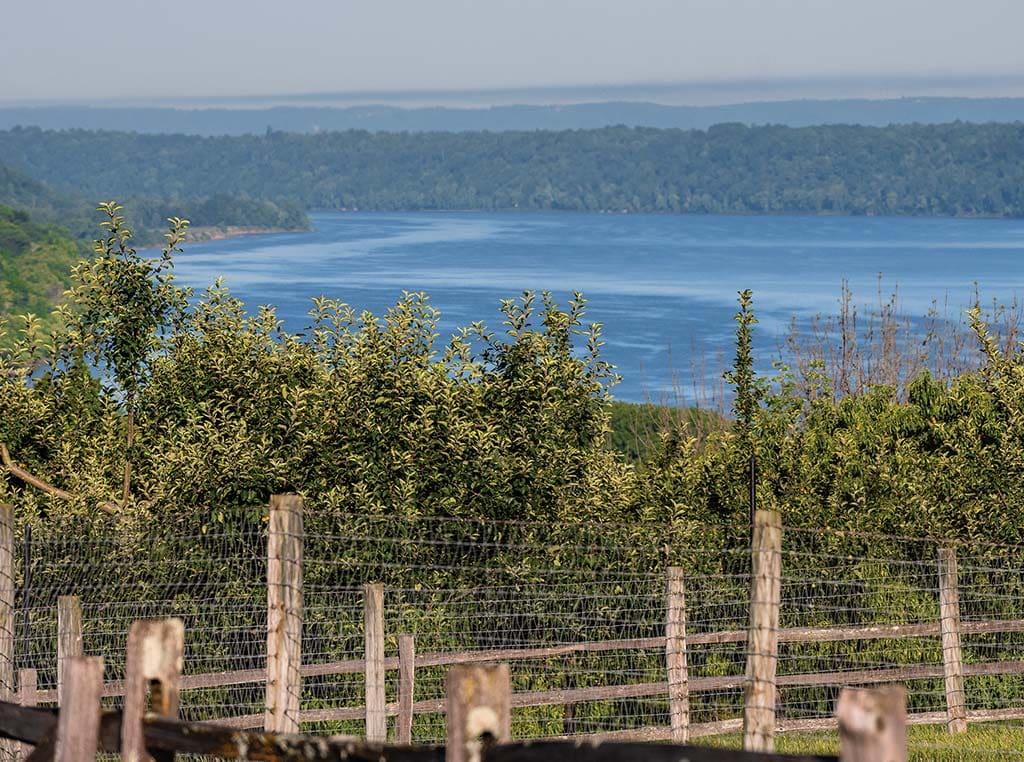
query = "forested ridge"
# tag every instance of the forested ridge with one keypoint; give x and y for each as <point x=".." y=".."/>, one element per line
<point x="948" y="169"/>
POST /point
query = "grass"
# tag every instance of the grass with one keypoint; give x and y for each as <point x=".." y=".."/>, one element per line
<point x="1002" y="741"/>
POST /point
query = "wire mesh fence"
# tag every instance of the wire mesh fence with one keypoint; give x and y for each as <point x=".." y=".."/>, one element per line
<point x="578" y="611"/>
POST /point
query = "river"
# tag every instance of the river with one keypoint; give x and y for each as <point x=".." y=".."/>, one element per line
<point x="663" y="286"/>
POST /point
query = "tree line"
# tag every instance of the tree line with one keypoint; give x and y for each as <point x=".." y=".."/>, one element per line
<point x="955" y="169"/>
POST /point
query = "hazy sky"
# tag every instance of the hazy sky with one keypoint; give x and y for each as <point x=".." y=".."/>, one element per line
<point x="154" y="49"/>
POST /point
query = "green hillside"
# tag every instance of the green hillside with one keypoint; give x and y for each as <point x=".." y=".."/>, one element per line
<point x="35" y="265"/>
<point x="73" y="208"/>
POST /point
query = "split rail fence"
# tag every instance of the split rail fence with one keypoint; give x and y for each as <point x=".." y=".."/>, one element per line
<point x="696" y="701"/>
<point x="872" y="723"/>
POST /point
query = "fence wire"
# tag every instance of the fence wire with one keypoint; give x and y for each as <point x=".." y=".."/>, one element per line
<point x="592" y="595"/>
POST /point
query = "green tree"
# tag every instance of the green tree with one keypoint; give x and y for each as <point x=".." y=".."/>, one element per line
<point x="120" y="310"/>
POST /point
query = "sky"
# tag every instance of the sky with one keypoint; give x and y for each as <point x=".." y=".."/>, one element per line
<point x="698" y="51"/>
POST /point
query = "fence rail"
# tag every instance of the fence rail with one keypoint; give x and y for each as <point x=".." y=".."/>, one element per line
<point x="673" y="670"/>
<point x="872" y="724"/>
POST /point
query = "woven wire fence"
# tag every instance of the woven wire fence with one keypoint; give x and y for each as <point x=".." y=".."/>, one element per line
<point x="577" y="610"/>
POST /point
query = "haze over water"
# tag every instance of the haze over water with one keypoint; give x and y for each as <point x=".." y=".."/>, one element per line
<point x="664" y="286"/>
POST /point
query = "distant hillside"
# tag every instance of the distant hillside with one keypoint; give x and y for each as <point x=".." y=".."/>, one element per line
<point x="44" y="204"/>
<point x="73" y="208"/>
<point x="35" y="265"/>
<point x="794" y="113"/>
<point x="952" y="169"/>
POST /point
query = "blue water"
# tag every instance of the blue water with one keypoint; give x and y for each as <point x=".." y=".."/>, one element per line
<point x="664" y="286"/>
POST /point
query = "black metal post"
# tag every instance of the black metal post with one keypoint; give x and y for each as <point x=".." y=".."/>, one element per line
<point x="753" y="492"/>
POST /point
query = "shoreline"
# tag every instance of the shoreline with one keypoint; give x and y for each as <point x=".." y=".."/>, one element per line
<point x="220" y="233"/>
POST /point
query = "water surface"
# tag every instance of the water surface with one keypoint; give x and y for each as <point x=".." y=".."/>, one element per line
<point x="664" y="286"/>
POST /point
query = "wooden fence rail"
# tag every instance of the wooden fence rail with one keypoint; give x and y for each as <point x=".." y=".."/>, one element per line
<point x="478" y="728"/>
<point x="285" y="671"/>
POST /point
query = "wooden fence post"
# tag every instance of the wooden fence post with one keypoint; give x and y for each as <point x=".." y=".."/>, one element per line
<point x="78" y="726"/>
<point x="478" y="705"/>
<point x="376" y="702"/>
<point x="952" y="655"/>
<point x="763" y="638"/>
<point x="69" y="634"/>
<point x="872" y="724"/>
<point x="406" y="688"/>
<point x="284" y="614"/>
<point x="152" y="665"/>
<point x="28" y="683"/>
<point x="675" y="656"/>
<point x="8" y="749"/>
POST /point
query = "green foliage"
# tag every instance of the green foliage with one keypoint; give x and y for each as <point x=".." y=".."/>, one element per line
<point x="35" y="265"/>
<point x="215" y="409"/>
<point x="640" y="431"/>
<point x="121" y="304"/>
<point x="947" y="169"/>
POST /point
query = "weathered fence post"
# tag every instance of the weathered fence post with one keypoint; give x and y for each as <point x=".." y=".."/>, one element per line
<point x="7" y="748"/>
<point x="28" y="684"/>
<point x="78" y="727"/>
<point x="69" y="633"/>
<point x="153" y="665"/>
<point x="284" y="614"/>
<point x="763" y="638"/>
<point x="872" y="724"/>
<point x="675" y="656"/>
<point x="478" y="705"/>
<point x="952" y="655"/>
<point x="406" y="688"/>
<point x="376" y="701"/>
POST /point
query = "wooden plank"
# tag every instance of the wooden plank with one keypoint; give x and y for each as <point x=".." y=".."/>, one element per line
<point x="477" y="709"/>
<point x="69" y="633"/>
<point x="217" y="740"/>
<point x="373" y="625"/>
<point x="406" y="688"/>
<point x="675" y="656"/>
<point x="790" y="635"/>
<point x="872" y="724"/>
<point x="284" y="614"/>
<point x="78" y="726"/>
<point x="152" y="668"/>
<point x="952" y="655"/>
<point x="763" y="643"/>
<point x="28" y="681"/>
<point x="697" y="685"/>
<point x="30" y="725"/>
<point x="639" y="690"/>
<point x="227" y="743"/>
